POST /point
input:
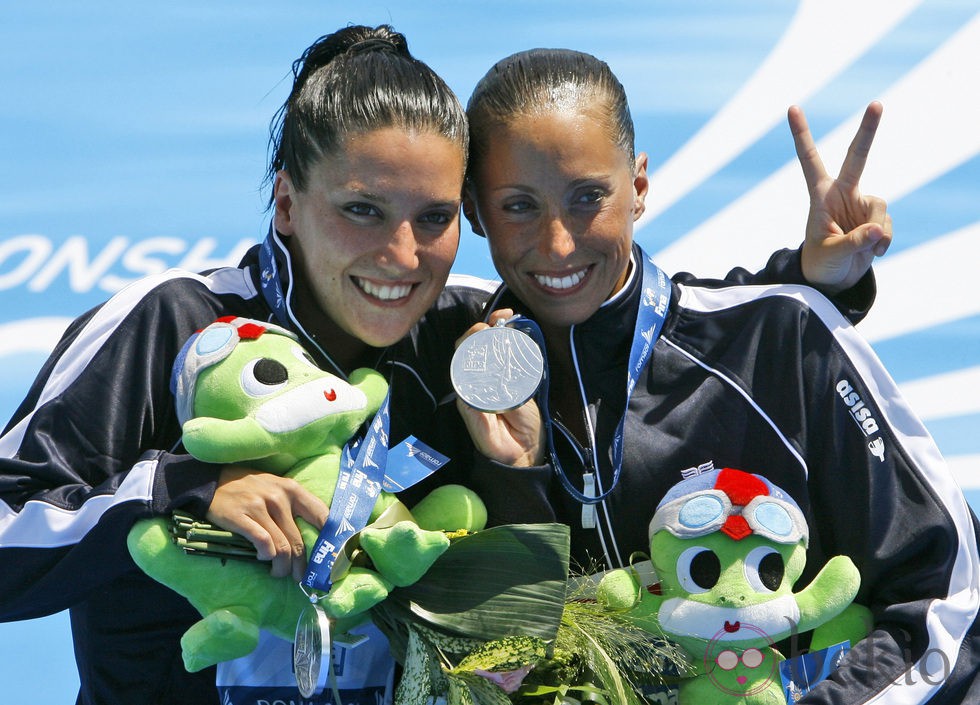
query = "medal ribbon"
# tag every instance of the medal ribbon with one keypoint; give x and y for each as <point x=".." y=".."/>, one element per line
<point x="649" y="321"/>
<point x="269" y="276"/>
<point x="362" y="469"/>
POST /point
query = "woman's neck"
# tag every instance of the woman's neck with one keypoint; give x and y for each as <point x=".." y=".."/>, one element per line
<point x="565" y="394"/>
<point x="345" y="350"/>
<point x="557" y="339"/>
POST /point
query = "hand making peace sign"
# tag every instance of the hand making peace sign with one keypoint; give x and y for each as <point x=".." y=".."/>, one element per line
<point x="845" y="229"/>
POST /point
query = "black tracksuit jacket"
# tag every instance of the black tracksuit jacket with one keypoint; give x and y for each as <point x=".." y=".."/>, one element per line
<point x="95" y="446"/>
<point x="773" y="380"/>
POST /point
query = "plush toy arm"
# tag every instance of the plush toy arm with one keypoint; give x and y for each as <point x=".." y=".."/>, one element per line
<point x="834" y="588"/>
<point x="623" y="591"/>
<point x="853" y="624"/>
<point x="372" y="383"/>
<point x="219" y="441"/>
<point x="619" y="590"/>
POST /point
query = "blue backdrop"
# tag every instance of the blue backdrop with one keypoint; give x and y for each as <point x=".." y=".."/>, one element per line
<point x="135" y="135"/>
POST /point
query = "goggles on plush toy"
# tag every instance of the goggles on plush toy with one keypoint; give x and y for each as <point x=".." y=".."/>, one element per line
<point x="208" y="347"/>
<point x="736" y="503"/>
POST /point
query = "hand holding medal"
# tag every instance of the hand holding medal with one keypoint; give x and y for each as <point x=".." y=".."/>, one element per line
<point x="496" y="371"/>
<point x="649" y="321"/>
<point x="497" y="368"/>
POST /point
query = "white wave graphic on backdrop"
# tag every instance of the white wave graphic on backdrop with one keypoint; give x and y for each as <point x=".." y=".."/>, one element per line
<point x="930" y="126"/>
<point x="929" y="100"/>
<point x="786" y="77"/>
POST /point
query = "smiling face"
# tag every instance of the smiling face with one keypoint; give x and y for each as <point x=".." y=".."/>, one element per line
<point x="557" y="198"/>
<point x="373" y="235"/>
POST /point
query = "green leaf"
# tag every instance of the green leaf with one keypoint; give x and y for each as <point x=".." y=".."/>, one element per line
<point x="553" y="694"/>
<point x="459" y="692"/>
<point x="499" y="582"/>
<point x="608" y="673"/>
<point x="505" y="654"/>
<point x="422" y="677"/>
<point x="448" y="644"/>
<point x="482" y="691"/>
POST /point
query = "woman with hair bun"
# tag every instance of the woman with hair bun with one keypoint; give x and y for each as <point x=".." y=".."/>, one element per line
<point x="368" y="156"/>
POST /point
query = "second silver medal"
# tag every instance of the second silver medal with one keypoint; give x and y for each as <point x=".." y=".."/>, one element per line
<point x="312" y="651"/>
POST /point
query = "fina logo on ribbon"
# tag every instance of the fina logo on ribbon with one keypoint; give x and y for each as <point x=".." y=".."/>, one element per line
<point x="323" y="550"/>
<point x="369" y="461"/>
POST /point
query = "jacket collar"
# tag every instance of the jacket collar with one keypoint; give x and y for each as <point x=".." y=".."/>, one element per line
<point x="276" y="282"/>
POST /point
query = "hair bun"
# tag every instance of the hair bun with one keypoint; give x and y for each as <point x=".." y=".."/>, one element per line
<point x="370" y="44"/>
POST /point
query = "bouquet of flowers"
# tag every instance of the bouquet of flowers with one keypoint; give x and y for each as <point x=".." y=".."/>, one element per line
<point x="498" y="621"/>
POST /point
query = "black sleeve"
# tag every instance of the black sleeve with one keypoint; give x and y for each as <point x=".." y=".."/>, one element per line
<point x="86" y="454"/>
<point x="512" y="495"/>
<point x="881" y="493"/>
<point x="785" y="267"/>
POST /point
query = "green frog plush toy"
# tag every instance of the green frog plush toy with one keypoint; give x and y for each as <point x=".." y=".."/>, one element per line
<point x="247" y="392"/>
<point x="727" y="547"/>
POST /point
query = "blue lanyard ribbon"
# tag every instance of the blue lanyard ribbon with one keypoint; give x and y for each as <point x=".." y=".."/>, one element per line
<point x="650" y="318"/>
<point x="362" y="469"/>
<point x="269" y="276"/>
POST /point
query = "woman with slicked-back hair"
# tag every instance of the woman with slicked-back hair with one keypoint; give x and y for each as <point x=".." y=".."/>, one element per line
<point x="655" y="379"/>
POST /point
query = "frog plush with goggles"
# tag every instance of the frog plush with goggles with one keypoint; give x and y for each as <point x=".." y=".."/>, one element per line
<point x="727" y="547"/>
<point x="247" y="392"/>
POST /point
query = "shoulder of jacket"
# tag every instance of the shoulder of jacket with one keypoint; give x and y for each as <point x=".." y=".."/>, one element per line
<point x="710" y="299"/>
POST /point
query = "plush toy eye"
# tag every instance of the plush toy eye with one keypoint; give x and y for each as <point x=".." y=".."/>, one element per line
<point x="304" y="357"/>
<point x="263" y="376"/>
<point x="698" y="569"/>
<point x="764" y="569"/>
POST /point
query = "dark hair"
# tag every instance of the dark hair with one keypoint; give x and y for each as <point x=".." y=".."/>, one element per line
<point x="358" y="79"/>
<point x="540" y="79"/>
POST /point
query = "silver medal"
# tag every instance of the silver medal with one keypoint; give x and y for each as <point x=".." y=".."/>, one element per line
<point x="311" y="651"/>
<point x="497" y="369"/>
